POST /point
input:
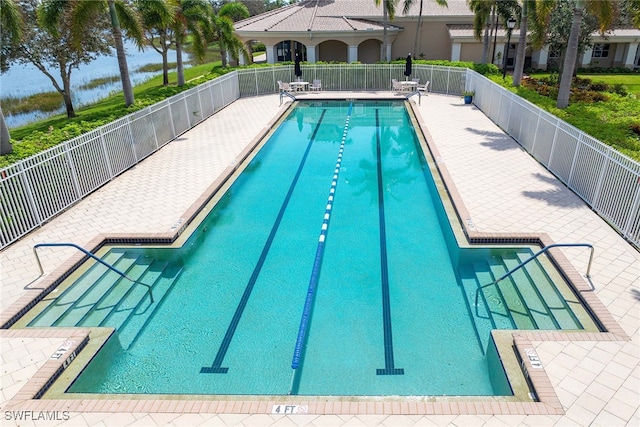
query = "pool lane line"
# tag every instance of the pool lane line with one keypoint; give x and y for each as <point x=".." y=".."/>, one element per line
<point x="389" y="366"/>
<point x="216" y="367"/>
<point x="317" y="263"/>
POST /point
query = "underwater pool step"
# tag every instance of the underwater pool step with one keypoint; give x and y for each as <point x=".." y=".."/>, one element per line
<point x="107" y="284"/>
<point x="136" y="297"/>
<point x="556" y="302"/>
<point x="137" y="320"/>
<point x="71" y="296"/>
<point x="528" y="281"/>
<point x="122" y="291"/>
<point x="513" y="300"/>
<point x="493" y="294"/>
<point x="481" y="319"/>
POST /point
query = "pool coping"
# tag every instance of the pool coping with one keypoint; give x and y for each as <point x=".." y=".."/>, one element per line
<point x="523" y="341"/>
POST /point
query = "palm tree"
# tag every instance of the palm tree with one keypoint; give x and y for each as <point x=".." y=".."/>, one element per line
<point x="157" y="20"/>
<point x="11" y="23"/>
<point x="483" y="11"/>
<point x="225" y="33"/>
<point x="83" y="12"/>
<point x="407" y="6"/>
<point x="540" y="10"/>
<point x="604" y="11"/>
<point x="191" y="17"/>
<point x="388" y="9"/>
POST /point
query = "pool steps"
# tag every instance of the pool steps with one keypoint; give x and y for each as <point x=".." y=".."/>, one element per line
<point x="106" y="299"/>
<point x="506" y="305"/>
<point x="102" y="298"/>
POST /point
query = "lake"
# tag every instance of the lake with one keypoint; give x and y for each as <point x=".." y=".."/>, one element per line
<point x="25" y="80"/>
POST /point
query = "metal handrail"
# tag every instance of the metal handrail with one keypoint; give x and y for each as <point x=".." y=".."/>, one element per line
<point x="534" y="256"/>
<point x="284" y="92"/>
<point x="416" y="92"/>
<point x="90" y="255"/>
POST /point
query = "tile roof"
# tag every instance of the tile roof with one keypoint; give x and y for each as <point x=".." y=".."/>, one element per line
<point x="340" y="15"/>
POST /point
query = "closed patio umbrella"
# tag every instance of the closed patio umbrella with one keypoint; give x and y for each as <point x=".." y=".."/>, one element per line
<point x="296" y="68"/>
<point x="407" y="67"/>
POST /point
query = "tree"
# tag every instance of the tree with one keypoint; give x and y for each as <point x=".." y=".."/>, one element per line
<point x="49" y="50"/>
<point x="11" y="22"/>
<point x="484" y="10"/>
<point x="388" y="13"/>
<point x="157" y="20"/>
<point x="540" y="10"/>
<point x="82" y="13"/>
<point x="225" y="32"/>
<point x="191" y="18"/>
<point x="604" y="11"/>
<point x="549" y="27"/>
<point x="407" y="6"/>
<point x="632" y="7"/>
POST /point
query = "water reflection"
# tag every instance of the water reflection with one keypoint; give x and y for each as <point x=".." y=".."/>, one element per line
<point x="25" y="80"/>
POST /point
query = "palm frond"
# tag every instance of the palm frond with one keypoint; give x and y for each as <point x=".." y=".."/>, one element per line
<point x="131" y="22"/>
<point x="11" y="20"/>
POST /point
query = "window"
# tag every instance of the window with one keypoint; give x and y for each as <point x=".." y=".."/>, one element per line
<point x="600" y="50"/>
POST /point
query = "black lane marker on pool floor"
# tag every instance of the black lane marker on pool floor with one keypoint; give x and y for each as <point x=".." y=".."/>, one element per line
<point x="389" y="368"/>
<point x="216" y="368"/>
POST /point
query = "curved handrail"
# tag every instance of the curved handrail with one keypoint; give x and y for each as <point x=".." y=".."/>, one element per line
<point x="534" y="256"/>
<point x="416" y="92"/>
<point x="90" y="255"/>
<point x="284" y="92"/>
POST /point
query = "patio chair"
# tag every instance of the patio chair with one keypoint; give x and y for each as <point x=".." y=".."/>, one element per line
<point x="316" y="85"/>
<point x="424" y="88"/>
<point x="396" y="86"/>
<point x="284" y="87"/>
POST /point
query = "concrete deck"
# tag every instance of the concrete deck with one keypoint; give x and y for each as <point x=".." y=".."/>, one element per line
<point x="597" y="382"/>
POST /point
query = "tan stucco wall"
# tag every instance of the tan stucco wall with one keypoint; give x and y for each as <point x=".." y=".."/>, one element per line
<point x="434" y="40"/>
<point x="332" y="50"/>
<point x="472" y="52"/>
<point x="369" y="51"/>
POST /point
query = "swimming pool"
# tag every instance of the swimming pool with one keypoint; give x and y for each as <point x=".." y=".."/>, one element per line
<point x="387" y="318"/>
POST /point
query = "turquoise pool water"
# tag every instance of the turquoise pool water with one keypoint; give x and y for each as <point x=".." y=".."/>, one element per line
<point x="392" y="312"/>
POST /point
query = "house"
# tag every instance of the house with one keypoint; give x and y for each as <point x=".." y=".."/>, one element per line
<point x="352" y="30"/>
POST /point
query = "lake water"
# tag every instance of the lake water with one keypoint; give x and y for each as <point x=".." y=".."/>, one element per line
<point x="26" y="80"/>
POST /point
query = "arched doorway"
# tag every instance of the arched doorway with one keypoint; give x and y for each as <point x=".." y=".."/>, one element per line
<point x="286" y="50"/>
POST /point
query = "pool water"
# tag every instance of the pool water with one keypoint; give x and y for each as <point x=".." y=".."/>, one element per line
<point x="393" y="310"/>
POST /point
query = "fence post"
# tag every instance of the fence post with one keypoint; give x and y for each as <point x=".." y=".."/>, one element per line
<point x="132" y="140"/>
<point x="596" y="194"/>
<point x="103" y="143"/>
<point x="29" y="191"/>
<point x="74" y="173"/>
<point x="634" y="216"/>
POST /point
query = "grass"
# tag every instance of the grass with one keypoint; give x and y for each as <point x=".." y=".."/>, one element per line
<point x="48" y="101"/>
<point x="609" y="117"/>
<point x="101" y="81"/>
<point x="38" y="136"/>
<point x="615" y="121"/>
<point x="631" y="81"/>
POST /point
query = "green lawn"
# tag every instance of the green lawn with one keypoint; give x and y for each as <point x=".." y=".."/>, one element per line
<point x="631" y="81"/>
<point x="615" y="120"/>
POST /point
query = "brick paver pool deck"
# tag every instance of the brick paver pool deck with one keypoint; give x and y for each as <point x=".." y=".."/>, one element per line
<point x="594" y="381"/>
